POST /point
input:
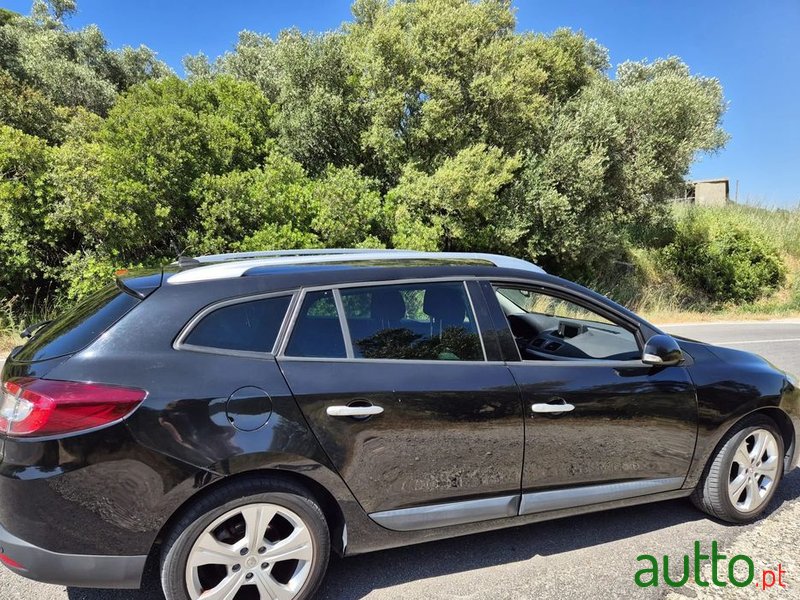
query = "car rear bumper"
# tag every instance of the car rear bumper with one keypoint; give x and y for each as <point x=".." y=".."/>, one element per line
<point x="78" y="570"/>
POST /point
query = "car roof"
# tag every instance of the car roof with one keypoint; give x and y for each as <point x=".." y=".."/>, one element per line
<point x="227" y="266"/>
<point x="236" y="275"/>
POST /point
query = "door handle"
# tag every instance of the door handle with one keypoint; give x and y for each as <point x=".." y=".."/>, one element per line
<point x="353" y="411"/>
<point x="552" y="408"/>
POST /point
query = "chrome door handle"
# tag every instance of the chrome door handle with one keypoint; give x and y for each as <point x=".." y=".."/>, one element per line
<point x="353" y="411"/>
<point x="552" y="408"/>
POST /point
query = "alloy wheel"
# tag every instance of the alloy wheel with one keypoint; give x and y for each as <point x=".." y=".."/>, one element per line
<point x="254" y="552"/>
<point x="754" y="470"/>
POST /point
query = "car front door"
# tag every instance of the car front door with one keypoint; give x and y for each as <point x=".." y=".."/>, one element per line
<point x="600" y="425"/>
<point x="394" y="382"/>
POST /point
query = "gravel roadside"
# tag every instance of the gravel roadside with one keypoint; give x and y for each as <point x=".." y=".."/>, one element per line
<point x="772" y="545"/>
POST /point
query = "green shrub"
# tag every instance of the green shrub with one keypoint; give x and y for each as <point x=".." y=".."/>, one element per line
<point x="724" y="259"/>
<point x="84" y="273"/>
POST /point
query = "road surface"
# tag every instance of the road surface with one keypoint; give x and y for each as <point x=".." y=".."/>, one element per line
<point x="591" y="556"/>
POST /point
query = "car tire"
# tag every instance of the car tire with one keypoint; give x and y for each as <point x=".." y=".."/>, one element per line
<point x="218" y="543"/>
<point x="739" y="482"/>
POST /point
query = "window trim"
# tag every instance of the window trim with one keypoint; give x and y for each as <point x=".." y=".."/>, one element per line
<point x="628" y="325"/>
<point x="180" y="341"/>
<point x="335" y="289"/>
<point x="343" y="324"/>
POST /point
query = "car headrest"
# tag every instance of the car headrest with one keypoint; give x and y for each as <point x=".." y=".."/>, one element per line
<point x="387" y="305"/>
<point x="445" y="304"/>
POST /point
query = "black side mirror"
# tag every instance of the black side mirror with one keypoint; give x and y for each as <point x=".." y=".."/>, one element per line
<point x="662" y="351"/>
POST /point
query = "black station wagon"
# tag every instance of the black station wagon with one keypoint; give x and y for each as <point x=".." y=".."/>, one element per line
<point x="239" y="417"/>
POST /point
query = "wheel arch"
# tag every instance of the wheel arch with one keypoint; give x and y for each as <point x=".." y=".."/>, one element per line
<point x="704" y="457"/>
<point x="786" y="427"/>
<point x="774" y="414"/>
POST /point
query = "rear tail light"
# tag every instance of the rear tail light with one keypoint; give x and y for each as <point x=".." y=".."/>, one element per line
<point x="39" y="407"/>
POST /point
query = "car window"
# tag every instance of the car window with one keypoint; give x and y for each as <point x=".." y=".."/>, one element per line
<point x="245" y="326"/>
<point x="547" y="327"/>
<point x="421" y="321"/>
<point x="78" y="327"/>
<point x="317" y="331"/>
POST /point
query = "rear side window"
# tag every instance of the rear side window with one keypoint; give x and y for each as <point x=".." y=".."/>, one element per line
<point x="421" y="321"/>
<point x="244" y="327"/>
<point x="317" y="331"/>
<point x="79" y="327"/>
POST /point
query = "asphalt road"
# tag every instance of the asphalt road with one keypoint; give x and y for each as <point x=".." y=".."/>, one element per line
<point x="591" y="556"/>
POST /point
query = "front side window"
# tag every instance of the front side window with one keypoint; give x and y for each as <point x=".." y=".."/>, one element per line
<point x="250" y="326"/>
<point x="550" y="328"/>
<point x="420" y="321"/>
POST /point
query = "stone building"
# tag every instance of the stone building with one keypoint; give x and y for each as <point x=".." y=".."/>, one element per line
<point x="714" y="192"/>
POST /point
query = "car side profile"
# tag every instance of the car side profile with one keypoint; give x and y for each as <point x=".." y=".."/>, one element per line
<point x="237" y="418"/>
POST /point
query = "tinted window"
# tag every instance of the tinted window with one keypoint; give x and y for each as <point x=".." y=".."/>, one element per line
<point x="421" y="321"/>
<point x="317" y="331"/>
<point x="245" y="326"/>
<point x="79" y="327"/>
<point x="551" y="328"/>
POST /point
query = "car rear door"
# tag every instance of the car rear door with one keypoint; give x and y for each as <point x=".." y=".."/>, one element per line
<point x="599" y="427"/>
<point x="394" y="381"/>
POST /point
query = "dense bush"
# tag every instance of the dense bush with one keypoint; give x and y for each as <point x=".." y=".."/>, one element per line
<point x="725" y="260"/>
<point x="429" y="124"/>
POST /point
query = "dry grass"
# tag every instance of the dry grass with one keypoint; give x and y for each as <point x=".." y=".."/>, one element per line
<point x="14" y="318"/>
<point x="7" y="341"/>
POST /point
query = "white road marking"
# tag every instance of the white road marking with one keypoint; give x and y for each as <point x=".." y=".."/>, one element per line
<point x="737" y="323"/>
<point x="723" y="343"/>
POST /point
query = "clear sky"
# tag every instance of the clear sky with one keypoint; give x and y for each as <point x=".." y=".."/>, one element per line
<point x="750" y="45"/>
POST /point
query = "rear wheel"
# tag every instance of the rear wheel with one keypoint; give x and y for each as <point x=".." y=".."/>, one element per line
<point x="744" y="473"/>
<point x="242" y="543"/>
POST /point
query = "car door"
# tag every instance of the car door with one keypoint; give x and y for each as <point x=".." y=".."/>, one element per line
<point x="599" y="424"/>
<point x="394" y="382"/>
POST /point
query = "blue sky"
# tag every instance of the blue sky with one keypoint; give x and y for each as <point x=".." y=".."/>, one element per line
<point x="751" y="46"/>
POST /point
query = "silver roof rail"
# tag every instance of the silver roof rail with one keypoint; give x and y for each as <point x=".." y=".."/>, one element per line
<point x="226" y="266"/>
<point x="215" y="258"/>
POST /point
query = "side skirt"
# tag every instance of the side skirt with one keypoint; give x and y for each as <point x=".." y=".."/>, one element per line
<point x="450" y="513"/>
<point x="535" y="502"/>
<point x="486" y="509"/>
<point x="371" y="539"/>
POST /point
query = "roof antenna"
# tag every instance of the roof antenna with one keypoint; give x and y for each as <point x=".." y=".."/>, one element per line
<point x="184" y="262"/>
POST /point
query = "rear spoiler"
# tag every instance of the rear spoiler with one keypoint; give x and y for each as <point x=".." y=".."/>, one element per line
<point x="139" y="283"/>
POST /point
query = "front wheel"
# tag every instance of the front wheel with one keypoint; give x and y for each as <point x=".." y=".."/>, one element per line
<point x="242" y="543"/>
<point x="744" y="473"/>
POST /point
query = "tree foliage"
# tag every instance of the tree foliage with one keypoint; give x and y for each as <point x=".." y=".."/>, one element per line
<point x="26" y="195"/>
<point x="428" y="124"/>
<point x="456" y="207"/>
<point x="71" y="67"/>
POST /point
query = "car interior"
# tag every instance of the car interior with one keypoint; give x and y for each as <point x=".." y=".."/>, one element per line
<point x="431" y="322"/>
<point x="548" y="328"/>
<point x="434" y="322"/>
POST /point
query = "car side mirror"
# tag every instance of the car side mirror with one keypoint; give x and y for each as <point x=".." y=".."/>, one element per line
<point x="662" y="351"/>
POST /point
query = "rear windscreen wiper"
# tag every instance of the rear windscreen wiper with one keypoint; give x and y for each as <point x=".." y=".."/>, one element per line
<point x="31" y="329"/>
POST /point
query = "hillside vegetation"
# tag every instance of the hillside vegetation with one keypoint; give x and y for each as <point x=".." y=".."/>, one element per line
<point x="430" y="124"/>
<point x="765" y="284"/>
